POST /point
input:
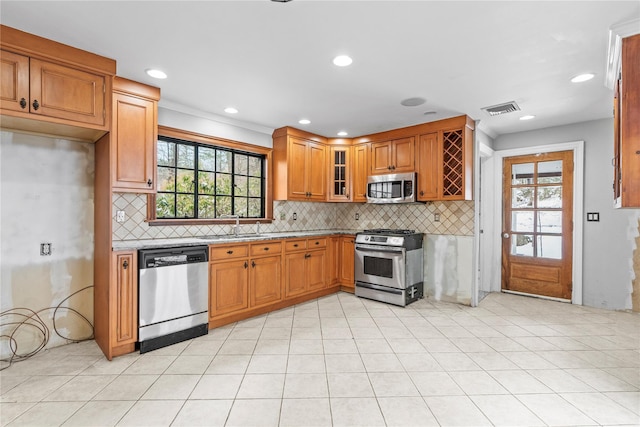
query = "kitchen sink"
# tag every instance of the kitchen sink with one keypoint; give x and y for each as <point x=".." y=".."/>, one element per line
<point x="231" y="236"/>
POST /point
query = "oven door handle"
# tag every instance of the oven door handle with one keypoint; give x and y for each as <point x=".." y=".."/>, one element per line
<point x="379" y="250"/>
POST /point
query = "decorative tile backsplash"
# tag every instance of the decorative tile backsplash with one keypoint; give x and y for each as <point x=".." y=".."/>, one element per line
<point x="455" y="218"/>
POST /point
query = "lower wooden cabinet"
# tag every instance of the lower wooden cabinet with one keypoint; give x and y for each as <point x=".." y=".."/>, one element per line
<point x="333" y="256"/>
<point x="228" y="287"/>
<point x="305" y="267"/>
<point x="265" y="279"/>
<point x="347" y="254"/>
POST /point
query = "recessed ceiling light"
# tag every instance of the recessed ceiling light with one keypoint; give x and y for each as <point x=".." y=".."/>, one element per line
<point x="342" y="60"/>
<point x="529" y="117"/>
<point x="304" y="121"/>
<point x="413" y="102"/>
<point x="582" y="78"/>
<point x="156" y="74"/>
<point x="230" y="110"/>
<point x="342" y="133"/>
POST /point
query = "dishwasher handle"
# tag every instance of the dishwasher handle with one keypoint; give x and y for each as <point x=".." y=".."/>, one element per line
<point x="166" y="257"/>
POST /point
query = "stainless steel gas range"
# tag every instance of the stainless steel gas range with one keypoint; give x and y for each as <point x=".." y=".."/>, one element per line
<point x="389" y="266"/>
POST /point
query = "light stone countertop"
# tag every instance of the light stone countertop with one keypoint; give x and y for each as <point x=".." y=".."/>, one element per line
<point x="122" y="245"/>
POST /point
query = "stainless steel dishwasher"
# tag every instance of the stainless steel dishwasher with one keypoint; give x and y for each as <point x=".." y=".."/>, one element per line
<point x="173" y="295"/>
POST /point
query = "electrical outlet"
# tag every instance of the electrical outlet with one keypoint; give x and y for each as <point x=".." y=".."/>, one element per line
<point x="283" y="216"/>
<point x="357" y="216"/>
<point x="295" y="216"/>
<point x="45" y="249"/>
<point x="120" y="216"/>
<point x="436" y="217"/>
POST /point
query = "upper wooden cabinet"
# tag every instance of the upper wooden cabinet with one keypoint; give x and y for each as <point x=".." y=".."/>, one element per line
<point x="445" y="161"/>
<point x="360" y="168"/>
<point x="626" y="185"/>
<point x="395" y="156"/>
<point x="52" y="88"/>
<point x="300" y="165"/>
<point x="340" y="170"/>
<point x="133" y="136"/>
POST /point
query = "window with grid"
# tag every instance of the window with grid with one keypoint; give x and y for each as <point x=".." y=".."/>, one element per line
<point x="204" y="181"/>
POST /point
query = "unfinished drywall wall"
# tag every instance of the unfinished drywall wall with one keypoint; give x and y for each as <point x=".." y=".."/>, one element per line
<point x="635" y="296"/>
<point x="46" y="196"/>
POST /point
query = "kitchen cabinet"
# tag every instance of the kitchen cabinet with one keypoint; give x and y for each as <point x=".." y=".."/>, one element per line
<point x="265" y="274"/>
<point x="347" y="259"/>
<point x="339" y="174"/>
<point x="133" y="135"/>
<point x="395" y="156"/>
<point x="626" y="161"/>
<point x="51" y="88"/>
<point x="333" y="257"/>
<point x="228" y="287"/>
<point x="300" y="166"/>
<point x="360" y="172"/>
<point x="445" y="162"/>
<point x="305" y="266"/>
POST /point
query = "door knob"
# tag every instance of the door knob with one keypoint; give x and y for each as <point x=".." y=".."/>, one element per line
<point x="505" y="235"/>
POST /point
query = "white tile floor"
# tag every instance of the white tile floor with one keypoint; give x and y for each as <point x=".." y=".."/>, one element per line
<point x="345" y="361"/>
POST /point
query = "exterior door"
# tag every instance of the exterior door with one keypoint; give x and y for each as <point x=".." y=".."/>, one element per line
<point x="537" y="236"/>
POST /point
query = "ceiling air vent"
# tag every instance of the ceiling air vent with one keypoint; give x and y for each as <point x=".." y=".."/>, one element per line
<point x="507" y="107"/>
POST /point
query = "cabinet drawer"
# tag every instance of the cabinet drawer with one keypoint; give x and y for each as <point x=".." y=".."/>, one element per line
<point x="220" y="253"/>
<point x="267" y="248"/>
<point x="295" y="245"/>
<point x="317" y="243"/>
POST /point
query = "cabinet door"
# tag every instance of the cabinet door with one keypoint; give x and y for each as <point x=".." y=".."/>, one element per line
<point x="294" y="274"/>
<point x="14" y="78"/>
<point x="429" y="167"/>
<point x="333" y="255"/>
<point x="133" y="139"/>
<point x="403" y="155"/>
<point x="316" y="267"/>
<point x="265" y="277"/>
<point x="360" y="172"/>
<point x="228" y="287"/>
<point x="67" y="93"/>
<point x="381" y="157"/>
<point x="316" y="171"/>
<point x="339" y="174"/>
<point x="297" y="166"/>
<point x="124" y="298"/>
<point x="347" y="254"/>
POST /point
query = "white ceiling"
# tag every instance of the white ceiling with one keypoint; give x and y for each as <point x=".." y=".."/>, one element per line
<point x="272" y="61"/>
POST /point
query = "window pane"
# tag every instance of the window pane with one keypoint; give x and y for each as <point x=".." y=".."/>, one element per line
<point x="255" y="166"/>
<point x="550" y="197"/>
<point x="186" y="156"/>
<point x="166" y="153"/>
<point x="549" y="247"/>
<point x="185" y="181"/>
<point x="522" y="244"/>
<point x="166" y="179"/>
<point x="184" y="206"/>
<point x="165" y="205"/>
<point x="255" y="187"/>
<point x="550" y="222"/>
<point x="206" y="207"/>
<point x="550" y="172"/>
<point x="255" y="208"/>
<point x="223" y="184"/>
<point x="241" y="164"/>
<point x="206" y="159"/>
<point x="223" y="161"/>
<point x="522" y="174"/>
<point x="522" y="197"/>
<point x="206" y="183"/>
<point x="240" y="206"/>
<point x="522" y="221"/>
<point x="223" y="206"/>
<point x="241" y="185"/>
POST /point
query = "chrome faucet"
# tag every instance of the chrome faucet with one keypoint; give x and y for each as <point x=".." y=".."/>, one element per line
<point x="257" y="227"/>
<point x="236" y="227"/>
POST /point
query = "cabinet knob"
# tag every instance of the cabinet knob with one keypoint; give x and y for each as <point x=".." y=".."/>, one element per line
<point x="422" y="193"/>
<point x="36" y="104"/>
<point x="149" y="182"/>
<point x="23" y="103"/>
<point x="246" y="264"/>
<point x="393" y="168"/>
<point x="317" y="243"/>
<point x="265" y="249"/>
<point x="307" y="255"/>
<point x="253" y="264"/>
<point x="125" y="264"/>
<point x="295" y="246"/>
<point x="389" y="167"/>
<point x="229" y="252"/>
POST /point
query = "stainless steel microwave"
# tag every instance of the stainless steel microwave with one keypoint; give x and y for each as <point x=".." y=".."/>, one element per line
<point x="392" y="188"/>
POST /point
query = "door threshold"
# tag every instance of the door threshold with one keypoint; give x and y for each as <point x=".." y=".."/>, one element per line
<point x="536" y="296"/>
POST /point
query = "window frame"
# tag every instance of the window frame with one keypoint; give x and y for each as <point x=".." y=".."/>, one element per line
<point x="187" y="136"/>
